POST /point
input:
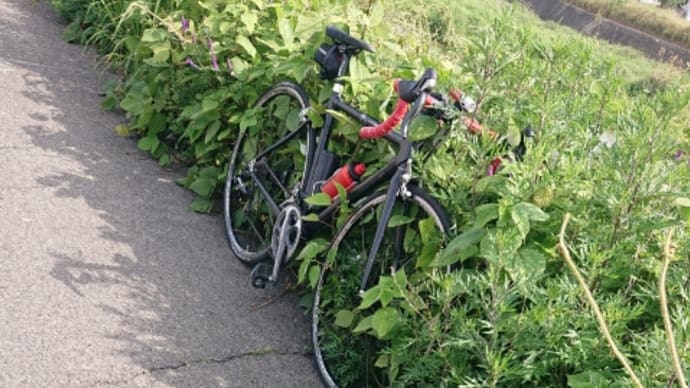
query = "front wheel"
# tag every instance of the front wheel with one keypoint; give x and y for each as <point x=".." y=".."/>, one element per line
<point x="417" y="223"/>
<point x="266" y="169"/>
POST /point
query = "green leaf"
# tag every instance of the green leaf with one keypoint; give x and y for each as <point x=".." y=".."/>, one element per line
<point x="460" y="247"/>
<point x="315" y="118"/>
<point x="531" y="211"/>
<point x="249" y="20"/>
<point x="533" y="261"/>
<point x="286" y="31"/>
<point x="212" y="131"/>
<point x="388" y="290"/>
<point x="527" y="265"/>
<point x="247" y="121"/>
<point x="344" y="318"/>
<point x="399" y="219"/>
<point x="224" y="134"/>
<point x="311" y="217"/>
<point x="314" y="273"/>
<point x="492" y="184"/>
<point x="154" y="35"/>
<point x="302" y="271"/>
<point x="293" y="119"/>
<point x="247" y="45"/>
<point x="273" y="45"/>
<point x="382" y="361"/>
<point x="370" y="297"/>
<point x="363" y="325"/>
<point x="488" y="246"/>
<point x="109" y="102"/>
<point x="148" y="143"/>
<point x="161" y="53"/>
<point x="157" y="123"/>
<point x="201" y="205"/>
<point x="306" y="301"/>
<point x="384" y="321"/>
<point x="429" y="231"/>
<point x="587" y="379"/>
<point x="209" y="104"/>
<point x="521" y="221"/>
<point x="224" y="27"/>
<point x="513" y="133"/>
<point x="318" y="199"/>
<point x="203" y="186"/>
<point x="312" y="249"/>
<point x="350" y="126"/>
<point x="422" y="127"/>
<point x="164" y="160"/>
<point x="122" y="130"/>
<point x="485" y="213"/>
<point x="239" y="67"/>
<point x="134" y="103"/>
<point x="210" y="172"/>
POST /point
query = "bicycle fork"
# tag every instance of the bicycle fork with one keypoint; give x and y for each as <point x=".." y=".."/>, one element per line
<point x="398" y="187"/>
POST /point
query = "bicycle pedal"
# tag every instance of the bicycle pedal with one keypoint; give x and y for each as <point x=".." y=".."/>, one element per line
<point x="260" y="275"/>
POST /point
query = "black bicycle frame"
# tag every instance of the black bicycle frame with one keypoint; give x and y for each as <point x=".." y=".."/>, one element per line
<point x="385" y="173"/>
<point x="393" y="171"/>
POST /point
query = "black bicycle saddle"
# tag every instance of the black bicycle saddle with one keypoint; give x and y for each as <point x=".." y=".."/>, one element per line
<point x="341" y="36"/>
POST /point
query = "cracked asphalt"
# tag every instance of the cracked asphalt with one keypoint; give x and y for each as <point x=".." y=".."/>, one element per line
<point x="106" y="279"/>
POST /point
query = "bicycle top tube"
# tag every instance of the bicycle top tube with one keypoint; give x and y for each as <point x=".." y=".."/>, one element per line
<point x="409" y="92"/>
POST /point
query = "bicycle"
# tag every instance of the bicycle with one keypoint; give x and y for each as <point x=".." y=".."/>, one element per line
<point x="270" y="176"/>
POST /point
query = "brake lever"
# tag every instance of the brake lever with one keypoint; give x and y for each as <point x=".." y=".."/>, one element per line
<point x="521" y="149"/>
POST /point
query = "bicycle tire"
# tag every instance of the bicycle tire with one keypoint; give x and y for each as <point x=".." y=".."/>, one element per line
<point x="339" y="281"/>
<point x="248" y="221"/>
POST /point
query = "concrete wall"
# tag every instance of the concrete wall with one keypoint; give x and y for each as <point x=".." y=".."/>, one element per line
<point x="594" y="25"/>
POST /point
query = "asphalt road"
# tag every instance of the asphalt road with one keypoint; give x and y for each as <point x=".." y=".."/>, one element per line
<point x="106" y="279"/>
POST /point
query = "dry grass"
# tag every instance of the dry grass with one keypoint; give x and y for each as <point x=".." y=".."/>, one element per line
<point x="661" y="22"/>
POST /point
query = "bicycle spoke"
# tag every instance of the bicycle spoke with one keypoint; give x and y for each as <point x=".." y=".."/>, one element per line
<point x="275" y="178"/>
<point x="267" y="196"/>
<point x="348" y="358"/>
<point x="252" y="225"/>
<point x="258" y="168"/>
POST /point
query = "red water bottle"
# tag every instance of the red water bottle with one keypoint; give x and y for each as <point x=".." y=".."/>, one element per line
<point x="346" y="176"/>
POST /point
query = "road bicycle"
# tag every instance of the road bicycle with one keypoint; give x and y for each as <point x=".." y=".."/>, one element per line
<point x="273" y="170"/>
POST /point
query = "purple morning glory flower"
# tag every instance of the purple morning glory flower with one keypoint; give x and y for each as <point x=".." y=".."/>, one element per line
<point x="214" y="58"/>
<point x="191" y="64"/>
<point x="214" y="62"/>
<point x="185" y="24"/>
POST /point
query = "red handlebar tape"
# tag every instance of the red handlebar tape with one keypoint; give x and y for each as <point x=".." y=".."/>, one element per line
<point x="386" y="126"/>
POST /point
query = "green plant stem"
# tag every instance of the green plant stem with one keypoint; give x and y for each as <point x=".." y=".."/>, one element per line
<point x="595" y="306"/>
<point x="664" y="313"/>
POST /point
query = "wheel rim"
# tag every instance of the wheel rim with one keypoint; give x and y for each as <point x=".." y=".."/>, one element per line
<point x="343" y="358"/>
<point x="248" y="218"/>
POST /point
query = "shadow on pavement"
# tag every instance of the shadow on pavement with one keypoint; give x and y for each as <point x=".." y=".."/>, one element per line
<point x="177" y="305"/>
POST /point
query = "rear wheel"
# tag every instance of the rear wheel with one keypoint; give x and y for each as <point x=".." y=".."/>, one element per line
<point x="256" y="178"/>
<point x="344" y="358"/>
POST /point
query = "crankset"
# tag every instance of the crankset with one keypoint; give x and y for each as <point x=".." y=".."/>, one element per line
<point x="285" y="238"/>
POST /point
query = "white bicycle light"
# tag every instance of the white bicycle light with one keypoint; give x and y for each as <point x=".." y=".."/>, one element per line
<point x="468" y="104"/>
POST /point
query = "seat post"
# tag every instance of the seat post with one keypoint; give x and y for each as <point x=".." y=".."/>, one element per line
<point x="343" y="70"/>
